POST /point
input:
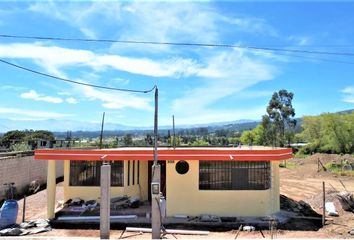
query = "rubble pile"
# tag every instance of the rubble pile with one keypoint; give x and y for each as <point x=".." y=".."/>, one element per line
<point x="301" y="208"/>
<point x="27" y="228"/>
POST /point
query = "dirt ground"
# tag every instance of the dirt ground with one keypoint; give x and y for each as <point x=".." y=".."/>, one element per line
<point x="300" y="181"/>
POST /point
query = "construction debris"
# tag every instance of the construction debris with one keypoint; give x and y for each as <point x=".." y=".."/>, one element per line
<point x="347" y="201"/>
<point x="208" y="218"/>
<point x="331" y="209"/>
<point x="26" y="228"/>
<point x="248" y="228"/>
<point x="301" y="208"/>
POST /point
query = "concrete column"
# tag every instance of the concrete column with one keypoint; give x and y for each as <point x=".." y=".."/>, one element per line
<point x="105" y="204"/>
<point x="155" y="204"/>
<point x="51" y="187"/>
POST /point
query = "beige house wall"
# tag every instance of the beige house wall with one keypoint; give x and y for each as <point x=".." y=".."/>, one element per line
<point x="184" y="197"/>
<point x="93" y="193"/>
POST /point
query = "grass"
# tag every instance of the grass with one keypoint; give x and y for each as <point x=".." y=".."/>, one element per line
<point x="337" y="169"/>
<point x="300" y="154"/>
<point x="288" y="165"/>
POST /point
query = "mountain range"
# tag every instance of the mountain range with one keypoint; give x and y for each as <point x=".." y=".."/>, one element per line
<point x="82" y="128"/>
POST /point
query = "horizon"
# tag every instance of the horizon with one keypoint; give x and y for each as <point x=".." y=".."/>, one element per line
<point x="199" y="85"/>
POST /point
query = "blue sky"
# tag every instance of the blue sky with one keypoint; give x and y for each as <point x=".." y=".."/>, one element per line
<point x="197" y="85"/>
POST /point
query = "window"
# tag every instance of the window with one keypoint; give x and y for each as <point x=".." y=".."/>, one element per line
<point x="87" y="173"/>
<point x="182" y="167"/>
<point x="234" y="175"/>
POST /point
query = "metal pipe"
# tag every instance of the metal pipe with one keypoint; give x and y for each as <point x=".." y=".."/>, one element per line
<point x="169" y="231"/>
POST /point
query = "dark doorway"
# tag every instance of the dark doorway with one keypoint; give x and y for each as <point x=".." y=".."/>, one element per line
<point x="163" y="177"/>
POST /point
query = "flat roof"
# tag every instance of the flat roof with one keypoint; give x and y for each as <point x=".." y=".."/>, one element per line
<point x="244" y="153"/>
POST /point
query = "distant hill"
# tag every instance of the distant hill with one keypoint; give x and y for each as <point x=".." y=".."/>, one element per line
<point x="89" y="129"/>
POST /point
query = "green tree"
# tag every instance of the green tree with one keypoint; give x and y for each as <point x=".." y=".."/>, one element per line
<point x="40" y="135"/>
<point x="329" y="132"/>
<point x="247" y="137"/>
<point x="14" y="136"/>
<point x="128" y="140"/>
<point x="254" y="137"/>
<point x="199" y="143"/>
<point x="279" y="118"/>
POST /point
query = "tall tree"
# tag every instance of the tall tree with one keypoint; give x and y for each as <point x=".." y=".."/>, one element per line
<point x="279" y="118"/>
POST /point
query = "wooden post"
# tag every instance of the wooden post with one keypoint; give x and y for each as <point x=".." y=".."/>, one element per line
<point x="324" y="203"/>
<point x="174" y="132"/>
<point x="24" y="209"/>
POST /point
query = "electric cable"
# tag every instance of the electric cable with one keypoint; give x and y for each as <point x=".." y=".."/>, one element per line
<point x="76" y="82"/>
<point x="178" y="44"/>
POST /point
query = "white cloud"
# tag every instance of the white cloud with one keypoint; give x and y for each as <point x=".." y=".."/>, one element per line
<point x="53" y="58"/>
<point x="71" y="100"/>
<point x="220" y="74"/>
<point x="33" y="95"/>
<point x="226" y="73"/>
<point x="348" y="94"/>
<point x="14" y="88"/>
<point x="112" y="100"/>
<point x="32" y="113"/>
<point x="81" y="15"/>
<point x="63" y="93"/>
<point x="301" y="40"/>
<point x="152" y="21"/>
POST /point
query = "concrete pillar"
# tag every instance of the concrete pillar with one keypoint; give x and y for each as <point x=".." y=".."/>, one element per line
<point x="51" y="187"/>
<point x="155" y="204"/>
<point x="105" y="204"/>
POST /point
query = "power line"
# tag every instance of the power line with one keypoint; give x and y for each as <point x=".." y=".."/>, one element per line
<point x="315" y="58"/>
<point x="76" y="82"/>
<point x="179" y="44"/>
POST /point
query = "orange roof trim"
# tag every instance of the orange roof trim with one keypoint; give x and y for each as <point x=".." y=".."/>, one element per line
<point x="209" y="154"/>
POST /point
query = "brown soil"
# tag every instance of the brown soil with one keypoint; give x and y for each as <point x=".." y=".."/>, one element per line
<point x="302" y="182"/>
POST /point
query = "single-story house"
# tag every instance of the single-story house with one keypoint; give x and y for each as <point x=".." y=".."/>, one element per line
<point x="227" y="182"/>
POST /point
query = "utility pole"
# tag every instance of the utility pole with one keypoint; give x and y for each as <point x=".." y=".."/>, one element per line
<point x="174" y="132"/>
<point x="101" y="135"/>
<point x="105" y="207"/>
<point x="156" y="181"/>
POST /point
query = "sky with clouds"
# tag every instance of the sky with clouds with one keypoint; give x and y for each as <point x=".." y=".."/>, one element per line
<point x="196" y="84"/>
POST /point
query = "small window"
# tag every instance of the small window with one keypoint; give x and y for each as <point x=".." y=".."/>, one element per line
<point x="88" y="173"/>
<point x="182" y="167"/>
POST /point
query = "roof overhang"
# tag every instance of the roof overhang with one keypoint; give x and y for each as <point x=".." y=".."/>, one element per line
<point x="209" y="154"/>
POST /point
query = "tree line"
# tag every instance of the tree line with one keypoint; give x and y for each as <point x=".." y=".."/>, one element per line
<point x="328" y="133"/>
